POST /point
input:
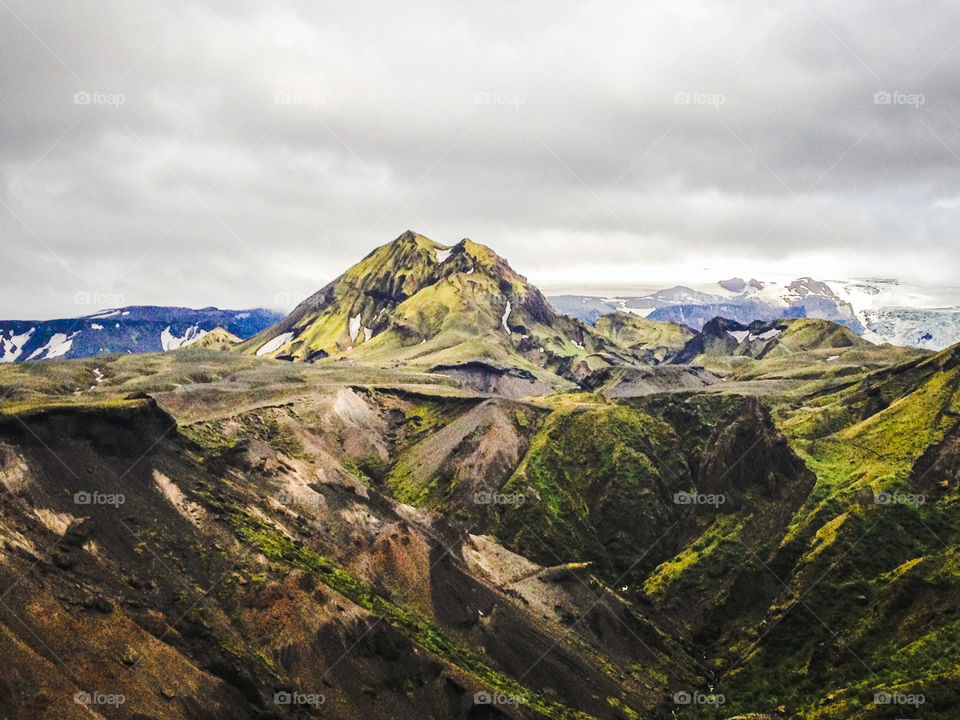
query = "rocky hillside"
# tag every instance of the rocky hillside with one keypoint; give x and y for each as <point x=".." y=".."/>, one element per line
<point x="205" y="533"/>
<point x="655" y="342"/>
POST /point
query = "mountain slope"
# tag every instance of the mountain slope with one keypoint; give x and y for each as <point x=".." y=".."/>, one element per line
<point x="655" y="341"/>
<point x="396" y="544"/>
<point x="135" y="329"/>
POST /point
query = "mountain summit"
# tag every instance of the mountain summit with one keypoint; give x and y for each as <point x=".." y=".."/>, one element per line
<point x="417" y="301"/>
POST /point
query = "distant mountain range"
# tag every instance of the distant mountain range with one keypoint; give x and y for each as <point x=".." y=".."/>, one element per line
<point x="135" y="329"/>
<point x="431" y="304"/>
<point x="882" y="311"/>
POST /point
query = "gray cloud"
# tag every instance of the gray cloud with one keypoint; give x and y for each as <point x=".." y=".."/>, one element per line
<point x="238" y="154"/>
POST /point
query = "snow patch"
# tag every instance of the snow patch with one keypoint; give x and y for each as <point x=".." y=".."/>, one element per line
<point x="11" y="348"/>
<point x="96" y="326"/>
<point x="57" y="346"/>
<point x="367" y="333"/>
<point x="354" y="327"/>
<point x="642" y="312"/>
<point x="169" y="341"/>
<point x="768" y="335"/>
<point x="442" y="255"/>
<point x="506" y="314"/>
<point x="273" y="345"/>
<point x="739" y="335"/>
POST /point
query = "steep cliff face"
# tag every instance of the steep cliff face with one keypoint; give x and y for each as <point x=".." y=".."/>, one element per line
<point x="203" y="569"/>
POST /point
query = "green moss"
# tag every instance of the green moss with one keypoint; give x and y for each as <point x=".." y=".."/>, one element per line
<point x="607" y="469"/>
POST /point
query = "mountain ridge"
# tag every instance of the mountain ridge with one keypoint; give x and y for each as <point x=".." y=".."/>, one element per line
<point x="130" y="329"/>
<point x="881" y="310"/>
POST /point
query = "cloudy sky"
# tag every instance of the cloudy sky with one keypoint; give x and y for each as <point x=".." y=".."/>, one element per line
<point x="244" y="153"/>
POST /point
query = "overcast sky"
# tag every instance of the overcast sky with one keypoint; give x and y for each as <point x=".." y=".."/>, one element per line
<point x="243" y="153"/>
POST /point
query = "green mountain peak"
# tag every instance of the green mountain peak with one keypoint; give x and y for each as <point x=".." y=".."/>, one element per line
<point x="419" y="302"/>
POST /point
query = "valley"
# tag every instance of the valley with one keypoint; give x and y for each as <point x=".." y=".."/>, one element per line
<point x="425" y="493"/>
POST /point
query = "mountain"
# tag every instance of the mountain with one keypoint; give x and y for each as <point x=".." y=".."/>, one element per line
<point x="587" y="308"/>
<point x="760" y="339"/>
<point x="881" y="310"/>
<point x="901" y="313"/>
<point x="426" y="304"/>
<point x="217" y="339"/>
<point x="736" y="299"/>
<point x="135" y="329"/>
<point x="655" y="342"/>
<point x="435" y="520"/>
